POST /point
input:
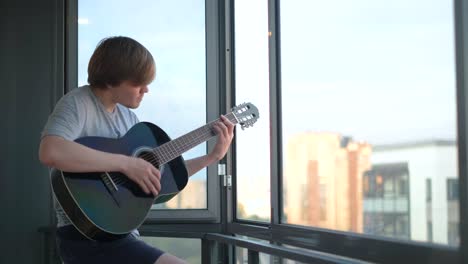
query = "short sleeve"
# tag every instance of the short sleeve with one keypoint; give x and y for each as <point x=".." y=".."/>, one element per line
<point x="66" y="120"/>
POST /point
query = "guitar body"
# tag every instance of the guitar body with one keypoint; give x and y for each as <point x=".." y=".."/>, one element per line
<point x="106" y="205"/>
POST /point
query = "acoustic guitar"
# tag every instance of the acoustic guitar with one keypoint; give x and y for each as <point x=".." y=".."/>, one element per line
<point x="108" y="205"/>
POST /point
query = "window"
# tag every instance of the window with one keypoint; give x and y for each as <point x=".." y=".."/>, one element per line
<point x="344" y="67"/>
<point x="323" y="202"/>
<point x="428" y="190"/>
<point x="402" y="186"/>
<point x="185" y="94"/>
<point x="252" y="85"/>
<point x="348" y="160"/>
<point x="453" y="234"/>
<point x="429" y="231"/>
<point x="452" y="189"/>
<point x="176" y="100"/>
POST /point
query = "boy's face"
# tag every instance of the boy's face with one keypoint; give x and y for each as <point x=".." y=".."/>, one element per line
<point x="128" y="94"/>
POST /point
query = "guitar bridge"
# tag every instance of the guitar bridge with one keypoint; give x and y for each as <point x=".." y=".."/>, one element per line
<point x="110" y="184"/>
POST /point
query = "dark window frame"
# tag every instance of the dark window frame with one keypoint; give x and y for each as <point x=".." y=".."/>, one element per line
<point x="347" y="244"/>
<point x="214" y="74"/>
<point x="360" y="246"/>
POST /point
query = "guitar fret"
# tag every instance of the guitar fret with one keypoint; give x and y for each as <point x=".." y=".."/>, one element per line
<point x="172" y="149"/>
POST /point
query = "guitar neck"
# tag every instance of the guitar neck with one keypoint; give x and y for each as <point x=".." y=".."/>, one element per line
<point x="174" y="148"/>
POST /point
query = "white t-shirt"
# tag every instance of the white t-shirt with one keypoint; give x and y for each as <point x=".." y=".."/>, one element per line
<point x="79" y="114"/>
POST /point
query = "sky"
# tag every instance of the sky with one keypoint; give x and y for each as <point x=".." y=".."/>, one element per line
<point x="175" y="35"/>
<point x="379" y="71"/>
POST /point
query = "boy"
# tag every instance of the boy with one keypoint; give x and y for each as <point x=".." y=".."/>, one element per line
<point x="119" y="73"/>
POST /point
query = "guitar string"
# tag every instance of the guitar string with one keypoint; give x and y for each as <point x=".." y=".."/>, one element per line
<point x="153" y="157"/>
<point x="178" y="148"/>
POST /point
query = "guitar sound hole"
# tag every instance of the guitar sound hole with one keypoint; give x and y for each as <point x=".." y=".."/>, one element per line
<point x="150" y="157"/>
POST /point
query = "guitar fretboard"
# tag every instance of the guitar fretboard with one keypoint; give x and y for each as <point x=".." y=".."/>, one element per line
<point x="174" y="148"/>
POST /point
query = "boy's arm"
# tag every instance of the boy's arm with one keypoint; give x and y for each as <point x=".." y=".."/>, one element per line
<point x="65" y="155"/>
<point x="225" y="132"/>
<point x="62" y="154"/>
<point x="196" y="164"/>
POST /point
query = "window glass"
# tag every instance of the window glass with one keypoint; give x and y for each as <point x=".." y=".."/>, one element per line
<point x="369" y="117"/>
<point x="252" y="85"/>
<point x="175" y="35"/>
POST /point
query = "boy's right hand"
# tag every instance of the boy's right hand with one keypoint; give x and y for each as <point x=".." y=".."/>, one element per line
<point x="144" y="174"/>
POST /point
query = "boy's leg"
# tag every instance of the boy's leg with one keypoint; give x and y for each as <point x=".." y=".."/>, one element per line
<point x="167" y="258"/>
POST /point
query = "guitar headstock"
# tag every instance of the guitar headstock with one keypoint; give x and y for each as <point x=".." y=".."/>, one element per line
<point x="246" y="114"/>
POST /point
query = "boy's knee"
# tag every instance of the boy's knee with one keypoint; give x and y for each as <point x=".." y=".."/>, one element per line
<point x="169" y="259"/>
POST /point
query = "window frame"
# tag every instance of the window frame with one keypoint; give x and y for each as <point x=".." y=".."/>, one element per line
<point x="219" y="217"/>
<point x="213" y="83"/>
<point x="359" y="246"/>
<point x="214" y="71"/>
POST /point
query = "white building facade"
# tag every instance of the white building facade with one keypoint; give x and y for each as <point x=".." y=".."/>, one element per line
<point x="432" y="168"/>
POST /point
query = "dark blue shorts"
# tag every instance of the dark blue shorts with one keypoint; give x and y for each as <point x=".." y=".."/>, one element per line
<point x="74" y="248"/>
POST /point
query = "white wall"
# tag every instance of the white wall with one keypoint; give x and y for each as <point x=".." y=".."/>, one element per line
<point x="437" y="162"/>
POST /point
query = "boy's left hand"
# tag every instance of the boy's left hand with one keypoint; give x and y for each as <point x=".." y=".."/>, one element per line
<point x="225" y="131"/>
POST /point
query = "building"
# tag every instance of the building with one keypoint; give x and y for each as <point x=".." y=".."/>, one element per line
<point x="386" y="200"/>
<point x="412" y="190"/>
<point x="322" y="181"/>
<point x="406" y="191"/>
<point x="193" y="196"/>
